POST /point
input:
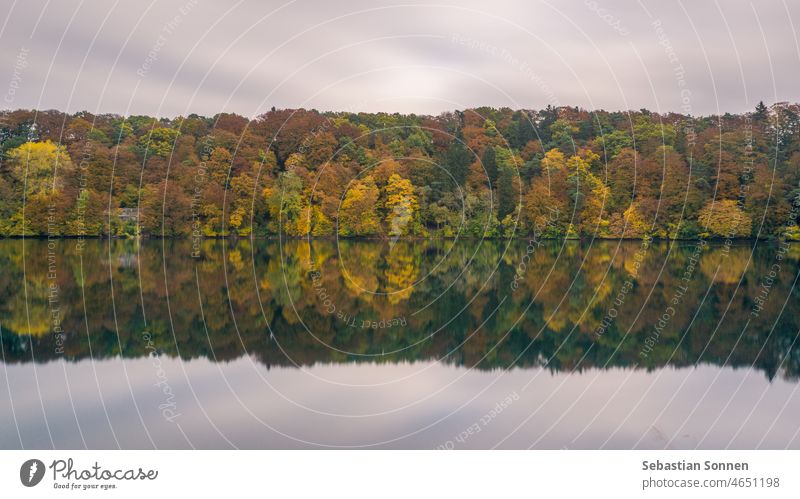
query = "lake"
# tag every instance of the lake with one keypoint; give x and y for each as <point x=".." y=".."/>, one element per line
<point x="399" y="344"/>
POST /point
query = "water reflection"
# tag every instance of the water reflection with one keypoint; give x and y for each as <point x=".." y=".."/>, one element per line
<point x="263" y="344"/>
<point x="485" y="305"/>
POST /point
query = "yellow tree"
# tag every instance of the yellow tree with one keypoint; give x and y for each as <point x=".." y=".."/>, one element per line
<point x="635" y="224"/>
<point x="357" y="216"/>
<point x="38" y="170"/>
<point x="553" y="160"/>
<point x="725" y="219"/>
<point x="589" y="194"/>
<point x="322" y="224"/>
<point x="219" y="165"/>
<point x="40" y="166"/>
<point x="401" y="205"/>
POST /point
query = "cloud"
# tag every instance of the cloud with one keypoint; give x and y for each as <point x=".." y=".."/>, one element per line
<point x="205" y="57"/>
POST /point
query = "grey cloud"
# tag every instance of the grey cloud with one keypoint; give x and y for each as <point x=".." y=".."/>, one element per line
<point x="402" y="58"/>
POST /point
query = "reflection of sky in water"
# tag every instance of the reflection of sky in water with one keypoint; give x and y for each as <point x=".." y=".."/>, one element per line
<point x="420" y="405"/>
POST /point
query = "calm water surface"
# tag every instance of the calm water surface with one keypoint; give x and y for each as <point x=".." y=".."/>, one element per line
<point x="413" y="344"/>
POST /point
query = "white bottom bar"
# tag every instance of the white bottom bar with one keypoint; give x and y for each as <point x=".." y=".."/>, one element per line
<point x="405" y="474"/>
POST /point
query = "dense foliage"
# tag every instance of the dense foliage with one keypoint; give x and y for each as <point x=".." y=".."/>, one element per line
<point x="559" y="172"/>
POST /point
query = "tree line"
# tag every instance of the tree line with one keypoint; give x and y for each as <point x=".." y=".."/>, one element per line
<point x="484" y="172"/>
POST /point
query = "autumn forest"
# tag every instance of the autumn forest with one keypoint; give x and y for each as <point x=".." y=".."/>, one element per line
<point x="556" y="172"/>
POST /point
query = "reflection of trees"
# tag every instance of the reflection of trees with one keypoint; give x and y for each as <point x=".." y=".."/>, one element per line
<point x="729" y="267"/>
<point x="483" y="311"/>
<point x="401" y="271"/>
<point x="359" y="262"/>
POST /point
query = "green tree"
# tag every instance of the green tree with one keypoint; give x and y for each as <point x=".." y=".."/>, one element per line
<point x="489" y="162"/>
<point x="457" y="162"/>
<point x="285" y="202"/>
<point x="158" y="142"/>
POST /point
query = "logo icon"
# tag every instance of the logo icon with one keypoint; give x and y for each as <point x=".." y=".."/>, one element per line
<point x="31" y="472"/>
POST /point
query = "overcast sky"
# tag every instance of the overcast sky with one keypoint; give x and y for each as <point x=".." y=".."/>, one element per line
<point x="175" y="57"/>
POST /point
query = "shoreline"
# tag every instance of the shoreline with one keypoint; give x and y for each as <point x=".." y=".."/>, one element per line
<point x="377" y="239"/>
